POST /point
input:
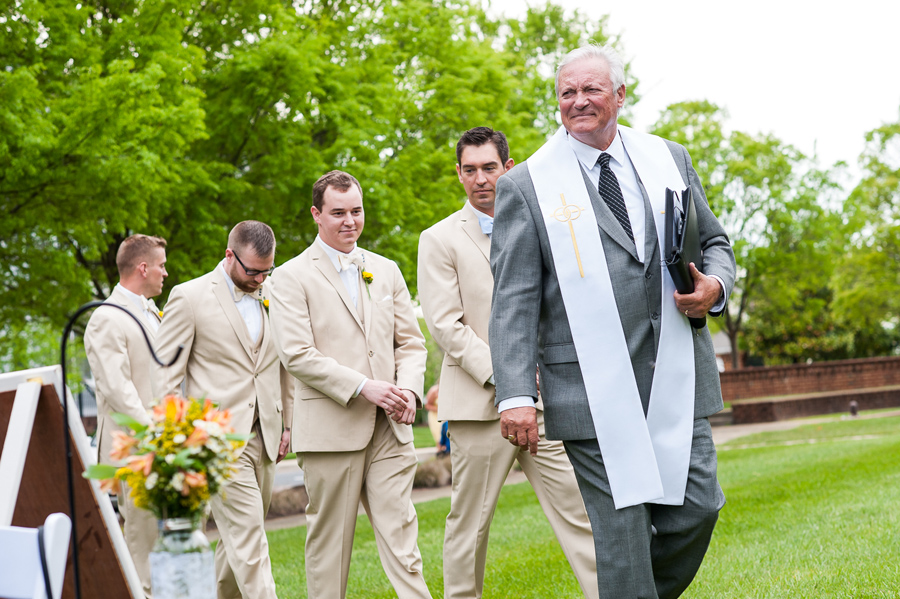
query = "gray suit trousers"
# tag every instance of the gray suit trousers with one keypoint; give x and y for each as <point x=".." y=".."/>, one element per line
<point x="649" y="551"/>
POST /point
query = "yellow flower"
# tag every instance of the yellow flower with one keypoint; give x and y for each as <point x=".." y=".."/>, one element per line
<point x="367" y="277"/>
<point x="160" y="313"/>
<point x="266" y="302"/>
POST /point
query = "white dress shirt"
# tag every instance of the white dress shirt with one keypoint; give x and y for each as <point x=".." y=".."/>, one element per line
<point x="350" y="274"/>
<point x="350" y="277"/>
<point x="146" y="306"/>
<point x="621" y="166"/>
<point x="247" y="305"/>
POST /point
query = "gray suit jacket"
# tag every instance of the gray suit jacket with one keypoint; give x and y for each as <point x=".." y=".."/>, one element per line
<point x="528" y="321"/>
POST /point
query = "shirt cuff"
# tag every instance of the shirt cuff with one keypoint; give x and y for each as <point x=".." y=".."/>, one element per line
<point x="359" y="389"/>
<point x="720" y="305"/>
<point x="519" y="401"/>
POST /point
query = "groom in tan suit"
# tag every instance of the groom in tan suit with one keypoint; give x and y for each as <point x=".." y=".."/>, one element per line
<point x="122" y="367"/>
<point x="345" y="327"/>
<point x="229" y="356"/>
<point x="455" y="287"/>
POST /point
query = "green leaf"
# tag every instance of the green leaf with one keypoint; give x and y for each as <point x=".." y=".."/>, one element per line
<point x="128" y="421"/>
<point x="100" y="471"/>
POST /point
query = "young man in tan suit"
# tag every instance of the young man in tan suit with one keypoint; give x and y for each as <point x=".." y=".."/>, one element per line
<point x="345" y="328"/>
<point x="455" y="287"/>
<point x="229" y="357"/>
<point x="121" y="363"/>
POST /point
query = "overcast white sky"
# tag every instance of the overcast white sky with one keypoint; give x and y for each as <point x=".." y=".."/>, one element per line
<point x="817" y="75"/>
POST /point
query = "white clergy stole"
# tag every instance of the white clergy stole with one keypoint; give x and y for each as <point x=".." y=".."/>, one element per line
<point x="646" y="459"/>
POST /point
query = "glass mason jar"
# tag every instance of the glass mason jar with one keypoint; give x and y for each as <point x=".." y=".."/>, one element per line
<point x="182" y="565"/>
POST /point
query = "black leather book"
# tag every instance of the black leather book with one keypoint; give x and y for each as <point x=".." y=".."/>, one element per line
<point x="682" y="244"/>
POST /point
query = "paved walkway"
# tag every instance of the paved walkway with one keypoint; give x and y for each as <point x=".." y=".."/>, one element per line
<point x="289" y="475"/>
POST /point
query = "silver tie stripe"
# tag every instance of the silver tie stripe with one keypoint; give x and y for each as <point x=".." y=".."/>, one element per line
<point x="612" y="194"/>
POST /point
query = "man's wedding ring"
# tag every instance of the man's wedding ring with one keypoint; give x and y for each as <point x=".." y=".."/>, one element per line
<point x="685" y="312"/>
<point x="511" y="438"/>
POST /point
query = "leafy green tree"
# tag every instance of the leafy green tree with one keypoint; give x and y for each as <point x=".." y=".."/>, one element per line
<point x="97" y="113"/>
<point x="181" y="117"/>
<point x="867" y="280"/>
<point x="774" y="204"/>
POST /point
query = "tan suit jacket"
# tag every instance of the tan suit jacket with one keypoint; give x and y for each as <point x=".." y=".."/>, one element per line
<point x="325" y="344"/>
<point x="455" y="288"/>
<point x="123" y="370"/>
<point x="220" y="361"/>
<point x="122" y="366"/>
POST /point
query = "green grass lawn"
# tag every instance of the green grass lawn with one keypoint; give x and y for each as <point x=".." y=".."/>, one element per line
<point x="811" y="512"/>
<point x="422" y="436"/>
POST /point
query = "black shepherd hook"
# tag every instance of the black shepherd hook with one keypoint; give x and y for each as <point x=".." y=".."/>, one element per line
<point x="65" y="338"/>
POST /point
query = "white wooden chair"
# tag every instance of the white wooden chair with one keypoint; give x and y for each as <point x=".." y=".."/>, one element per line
<point x="28" y="554"/>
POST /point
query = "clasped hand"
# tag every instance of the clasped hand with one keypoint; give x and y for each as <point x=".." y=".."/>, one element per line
<point x="399" y="404"/>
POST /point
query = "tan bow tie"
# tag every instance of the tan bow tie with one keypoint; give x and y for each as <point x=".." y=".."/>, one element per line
<point x="353" y="258"/>
<point x="239" y="294"/>
<point x="149" y="305"/>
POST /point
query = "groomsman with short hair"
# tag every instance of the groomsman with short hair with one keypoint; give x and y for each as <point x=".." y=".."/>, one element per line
<point x="346" y="330"/>
<point x="229" y="357"/>
<point x="121" y="363"/>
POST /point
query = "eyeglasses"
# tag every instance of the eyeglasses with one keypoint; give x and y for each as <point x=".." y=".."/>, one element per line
<point x="249" y="271"/>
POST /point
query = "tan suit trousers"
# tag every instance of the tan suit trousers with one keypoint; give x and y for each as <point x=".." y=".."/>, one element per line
<point x="141" y="528"/>
<point x="243" y="569"/>
<point x="481" y="461"/>
<point x="381" y="476"/>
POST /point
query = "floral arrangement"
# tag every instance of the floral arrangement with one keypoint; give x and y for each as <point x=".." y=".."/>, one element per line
<point x="177" y="462"/>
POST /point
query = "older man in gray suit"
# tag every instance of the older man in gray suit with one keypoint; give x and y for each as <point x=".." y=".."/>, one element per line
<point x="580" y="288"/>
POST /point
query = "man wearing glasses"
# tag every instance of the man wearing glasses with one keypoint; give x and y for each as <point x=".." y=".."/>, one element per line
<point x="229" y="357"/>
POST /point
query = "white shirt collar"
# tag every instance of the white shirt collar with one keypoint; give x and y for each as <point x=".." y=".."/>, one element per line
<point x="138" y="300"/>
<point x="588" y="155"/>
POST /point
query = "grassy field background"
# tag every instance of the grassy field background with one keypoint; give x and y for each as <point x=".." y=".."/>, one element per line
<point x="811" y="512"/>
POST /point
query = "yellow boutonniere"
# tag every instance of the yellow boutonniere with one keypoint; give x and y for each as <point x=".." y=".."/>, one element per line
<point x="265" y="302"/>
<point x="367" y="276"/>
<point x="160" y="313"/>
<point x="367" y="279"/>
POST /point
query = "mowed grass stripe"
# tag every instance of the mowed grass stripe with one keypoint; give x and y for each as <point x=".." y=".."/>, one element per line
<point x="803" y="520"/>
<point x="816" y="520"/>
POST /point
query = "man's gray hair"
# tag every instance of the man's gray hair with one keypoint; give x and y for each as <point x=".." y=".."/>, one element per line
<point x="606" y="53"/>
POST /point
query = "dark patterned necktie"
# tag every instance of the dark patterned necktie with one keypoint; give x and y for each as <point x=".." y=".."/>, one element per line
<point x="612" y="194"/>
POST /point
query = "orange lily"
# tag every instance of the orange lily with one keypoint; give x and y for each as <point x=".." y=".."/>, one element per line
<point x="122" y="444"/>
<point x="141" y="463"/>
<point x="198" y="437"/>
<point x="193" y="479"/>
